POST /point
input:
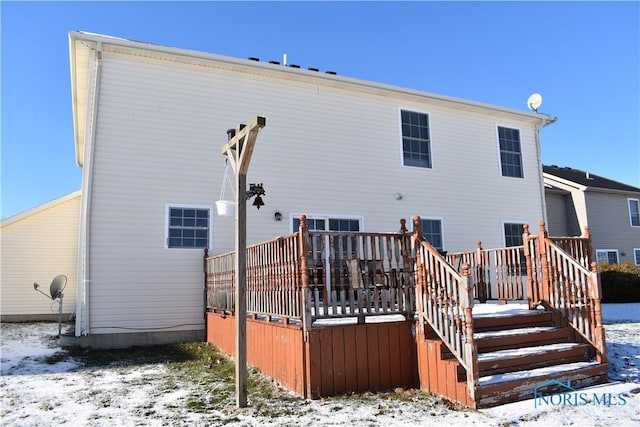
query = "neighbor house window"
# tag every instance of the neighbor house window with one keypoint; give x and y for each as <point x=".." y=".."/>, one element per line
<point x="416" y="145"/>
<point x="432" y="232"/>
<point x="636" y="256"/>
<point x="510" y="152"/>
<point x="607" y="256"/>
<point x="188" y="226"/>
<point x="634" y="212"/>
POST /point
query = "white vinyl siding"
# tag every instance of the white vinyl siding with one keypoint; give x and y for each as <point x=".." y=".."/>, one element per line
<point x="37" y="246"/>
<point x="326" y="147"/>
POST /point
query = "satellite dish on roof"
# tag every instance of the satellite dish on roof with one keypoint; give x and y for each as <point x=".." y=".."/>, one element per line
<point x="534" y="102"/>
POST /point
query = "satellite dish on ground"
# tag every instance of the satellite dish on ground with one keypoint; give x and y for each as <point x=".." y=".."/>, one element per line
<point x="534" y="102"/>
<point x="55" y="289"/>
<point x="57" y="286"/>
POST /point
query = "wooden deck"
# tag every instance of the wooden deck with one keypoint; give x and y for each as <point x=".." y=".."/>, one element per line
<point x="334" y="313"/>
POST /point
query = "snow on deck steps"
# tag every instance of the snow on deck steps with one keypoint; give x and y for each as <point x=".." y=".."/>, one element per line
<point x="507" y="332"/>
<point x="534" y="373"/>
<point x="525" y="351"/>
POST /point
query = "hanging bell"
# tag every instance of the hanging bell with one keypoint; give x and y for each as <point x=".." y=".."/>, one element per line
<point x="257" y="202"/>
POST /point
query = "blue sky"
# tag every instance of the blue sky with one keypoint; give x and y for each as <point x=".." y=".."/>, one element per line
<point x="583" y="57"/>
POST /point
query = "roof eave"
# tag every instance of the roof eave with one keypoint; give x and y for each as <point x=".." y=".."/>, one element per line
<point x="543" y="119"/>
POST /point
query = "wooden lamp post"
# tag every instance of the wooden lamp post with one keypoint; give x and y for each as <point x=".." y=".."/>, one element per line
<point x="238" y="150"/>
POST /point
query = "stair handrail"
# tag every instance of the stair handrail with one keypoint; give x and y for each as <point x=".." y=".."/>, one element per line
<point x="444" y="300"/>
<point x="571" y="290"/>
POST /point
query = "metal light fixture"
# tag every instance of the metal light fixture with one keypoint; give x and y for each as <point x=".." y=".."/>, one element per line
<point x="256" y="190"/>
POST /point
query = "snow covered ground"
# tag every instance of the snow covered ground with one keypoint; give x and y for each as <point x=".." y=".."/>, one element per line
<point x="40" y="390"/>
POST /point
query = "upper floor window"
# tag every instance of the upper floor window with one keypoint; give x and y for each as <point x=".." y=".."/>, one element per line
<point x="607" y="256"/>
<point x="634" y="212"/>
<point x="510" y="152"/>
<point x="188" y="226"/>
<point x="416" y="145"/>
<point x="432" y="232"/>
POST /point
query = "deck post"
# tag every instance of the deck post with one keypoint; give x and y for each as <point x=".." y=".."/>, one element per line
<point x="303" y="236"/>
<point x="527" y="256"/>
<point x="546" y="273"/>
<point x="481" y="286"/>
<point x="405" y="252"/>
<point x="470" y="348"/>
<point x="206" y="289"/>
<point x="238" y="150"/>
<point x="598" y="330"/>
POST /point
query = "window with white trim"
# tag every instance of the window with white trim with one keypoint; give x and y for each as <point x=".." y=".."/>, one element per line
<point x="510" y="152"/>
<point x="513" y="237"/>
<point x="513" y="234"/>
<point x="416" y="144"/>
<point x="432" y="232"/>
<point x="636" y="256"/>
<point x="607" y="256"/>
<point x="634" y="212"/>
<point x="331" y="223"/>
<point x="188" y="226"/>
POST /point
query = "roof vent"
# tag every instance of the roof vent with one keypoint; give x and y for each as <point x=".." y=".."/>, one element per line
<point x="313" y="69"/>
<point x="274" y="62"/>
<point x="293" y="66"/>
<point x="331" y="72"/>
<point x="588" y="175"/>
<point x="253" y="58"/>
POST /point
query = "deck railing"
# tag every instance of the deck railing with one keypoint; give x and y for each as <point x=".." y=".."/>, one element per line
<point x="272" y="285"/>
<point x="444" y="299"/>
<point x="311" y="276"/>
<point x="494" y="273"/>
<point x="354" y="274"/>
<point x="564" y="279"/>
<point x="314" y="275"/>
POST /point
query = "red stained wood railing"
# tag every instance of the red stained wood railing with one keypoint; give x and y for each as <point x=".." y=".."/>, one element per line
<point x="562" y="282"/>
<point x="358" y="274"/>
<point x="444" y="301"/>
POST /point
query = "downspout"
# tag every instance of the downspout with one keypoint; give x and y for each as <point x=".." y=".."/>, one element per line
<point x="95" y="64"/>
<point x="545" y="122"/>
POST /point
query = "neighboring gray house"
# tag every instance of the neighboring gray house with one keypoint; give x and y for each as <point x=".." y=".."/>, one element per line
<point x="611" y="209"/>
<point x="354" y="155"/>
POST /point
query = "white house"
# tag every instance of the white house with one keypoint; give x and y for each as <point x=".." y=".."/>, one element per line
<point x="38" y="245"/>
<point x="150" y="122"/>
<point x="611" y="209"/>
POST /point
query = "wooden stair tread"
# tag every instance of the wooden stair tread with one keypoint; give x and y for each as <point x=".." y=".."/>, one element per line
<point x="516" y="331"/>
<point x="535" y="373"/>
<point x="526" y="351"/>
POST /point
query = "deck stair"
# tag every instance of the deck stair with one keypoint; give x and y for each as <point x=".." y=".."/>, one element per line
<point x="519" y="352"/>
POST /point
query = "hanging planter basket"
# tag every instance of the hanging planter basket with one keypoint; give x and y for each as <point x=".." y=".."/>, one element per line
<point x="226" y="207"/>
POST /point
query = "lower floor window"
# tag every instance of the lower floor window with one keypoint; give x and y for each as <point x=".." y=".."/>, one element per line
<point x="432" y="232"/>
<point x="636" y="256"/>
<point x="607" y="256"/>
<point x="188" y="226"/>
